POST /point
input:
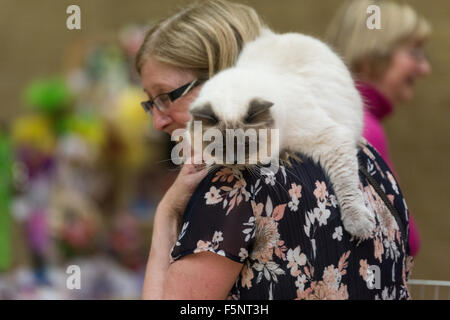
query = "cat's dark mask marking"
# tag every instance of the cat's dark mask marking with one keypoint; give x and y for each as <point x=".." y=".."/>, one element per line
<point x="258" y="114"/>
<point x="205" y="112"/>
<point x="257" y="117"/>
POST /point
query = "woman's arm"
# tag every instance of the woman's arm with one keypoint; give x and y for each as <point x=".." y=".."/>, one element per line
<point x="201" y="276"/>
<point x="166" y="228"/>
<point x="165" y="231"/>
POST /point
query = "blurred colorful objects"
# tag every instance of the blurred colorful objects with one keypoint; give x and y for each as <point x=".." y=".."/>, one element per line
<point x="5" y="202"/>
<point x="127" y="242"/>
<point x="134" y="138"/>
<point x="78" y="179"/>
<point x="48" y="96"/>
<point x="33" y="131"/>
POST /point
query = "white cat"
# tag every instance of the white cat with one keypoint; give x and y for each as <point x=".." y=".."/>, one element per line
<point x="297" y="84"/>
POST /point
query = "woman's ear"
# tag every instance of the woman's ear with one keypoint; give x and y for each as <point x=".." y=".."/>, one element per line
<point x="363" y="71"/>
<point x="371" y="72"/>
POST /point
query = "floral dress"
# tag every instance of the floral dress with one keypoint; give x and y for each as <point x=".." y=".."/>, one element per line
<point x="286" y="230"/>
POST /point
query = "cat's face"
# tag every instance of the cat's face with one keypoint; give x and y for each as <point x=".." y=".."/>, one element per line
<point x="233" y="106"/>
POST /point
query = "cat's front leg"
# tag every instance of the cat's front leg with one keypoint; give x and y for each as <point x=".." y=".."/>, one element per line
<point x="338" y="155"/>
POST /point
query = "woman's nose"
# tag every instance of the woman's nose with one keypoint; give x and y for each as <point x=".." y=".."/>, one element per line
<point x="160" y="120"/>
<point x="425" y="67"/>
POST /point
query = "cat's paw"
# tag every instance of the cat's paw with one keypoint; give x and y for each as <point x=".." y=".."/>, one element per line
<point x="359" y="222"/>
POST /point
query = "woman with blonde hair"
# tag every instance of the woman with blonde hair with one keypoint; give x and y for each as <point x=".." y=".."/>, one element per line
<point x="385" y="62"/>
<point x="229" y="234"/>
<point x="181" y="52"/>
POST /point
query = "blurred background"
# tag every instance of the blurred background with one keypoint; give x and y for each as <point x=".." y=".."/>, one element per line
<point x="82" y="170"/>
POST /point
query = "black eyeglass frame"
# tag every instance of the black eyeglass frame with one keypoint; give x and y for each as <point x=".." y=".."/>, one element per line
<point x="172" y="95"/>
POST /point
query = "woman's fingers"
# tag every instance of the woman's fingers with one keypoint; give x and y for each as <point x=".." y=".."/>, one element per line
<point x="195" y="173"/>
<point x="194" y="164"/>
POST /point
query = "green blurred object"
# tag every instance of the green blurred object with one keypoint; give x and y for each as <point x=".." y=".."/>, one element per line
<point x="48" y="96"/>
<point x="5" y="202"/>
<point x="87" y="125"/>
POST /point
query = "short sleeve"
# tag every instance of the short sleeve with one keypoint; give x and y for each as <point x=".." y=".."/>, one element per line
<point x="218" y="218"/>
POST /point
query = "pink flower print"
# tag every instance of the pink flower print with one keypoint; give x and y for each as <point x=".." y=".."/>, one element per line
<point x="363" y="268"/>
<point x="246" y="276"/>
<point x="321" y="191"/>
<point x="393" y="182"/>
<point x="295" y="190"/>
<point x="203" y="246"/>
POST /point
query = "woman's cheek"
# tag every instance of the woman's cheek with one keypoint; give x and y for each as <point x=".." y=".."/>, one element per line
<point x="181" y="117"/>
<point x="402" y="80"/>
<point x="406" y="89"/>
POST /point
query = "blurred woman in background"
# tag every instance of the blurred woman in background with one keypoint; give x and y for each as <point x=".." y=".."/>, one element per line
<point x="386" y="64"/>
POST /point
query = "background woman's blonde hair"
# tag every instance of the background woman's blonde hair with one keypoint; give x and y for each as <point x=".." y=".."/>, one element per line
<point x="204" y="38"/>
<point x="360" y="46"/>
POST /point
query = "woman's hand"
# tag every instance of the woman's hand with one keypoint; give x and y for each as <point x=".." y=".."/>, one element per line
<point x="178" y="195"/>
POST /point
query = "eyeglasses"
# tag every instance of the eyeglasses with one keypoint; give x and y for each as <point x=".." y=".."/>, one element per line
<point x="416" y="53"/>
<point x="163" y="101"/>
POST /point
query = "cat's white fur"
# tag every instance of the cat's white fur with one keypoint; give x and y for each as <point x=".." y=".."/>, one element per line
<point x="317" y="109"/>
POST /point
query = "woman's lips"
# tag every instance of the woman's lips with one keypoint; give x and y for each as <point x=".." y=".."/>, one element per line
<point x="410" y="81"/>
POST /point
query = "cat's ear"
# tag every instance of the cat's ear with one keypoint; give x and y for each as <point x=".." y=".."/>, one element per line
<point x="257" y="106"/>
<point x="204" y="112"/>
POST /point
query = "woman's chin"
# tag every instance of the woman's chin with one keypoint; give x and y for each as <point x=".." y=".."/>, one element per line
<point x="406" y="95"/>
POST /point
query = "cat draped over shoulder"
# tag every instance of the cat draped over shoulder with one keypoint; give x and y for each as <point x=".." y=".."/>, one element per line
<point x="297" y="84"/>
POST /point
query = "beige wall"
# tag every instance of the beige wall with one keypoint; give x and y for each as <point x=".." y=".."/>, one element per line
<point x="34" y="42"/>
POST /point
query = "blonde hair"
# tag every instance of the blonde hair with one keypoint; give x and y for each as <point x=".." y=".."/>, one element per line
<point x="360" y="46"/>
<point x="204" y="38"/>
